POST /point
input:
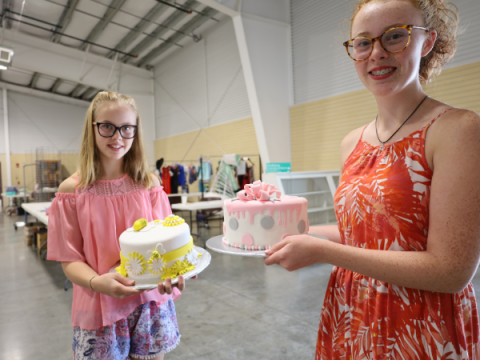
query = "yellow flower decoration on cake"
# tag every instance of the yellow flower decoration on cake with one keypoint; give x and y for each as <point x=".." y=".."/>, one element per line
<point x="122" y="270"/>
<point x="156" y="263"/>
<point x="181" y="267"/>
<point x="136" y="264"/>
<point x="169" y="273"/>
<point x="173" y="220"/>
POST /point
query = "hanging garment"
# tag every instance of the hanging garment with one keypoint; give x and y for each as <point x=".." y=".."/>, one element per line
<point x="241" y="168"/>
<point x="206" y="172"/>
<point x="174" y="172"/>
<point x="192" y="174"/>
<point x="166" y="179"/>
<point x="181" y="176"/>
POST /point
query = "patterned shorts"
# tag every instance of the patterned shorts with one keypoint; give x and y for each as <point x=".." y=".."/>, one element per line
<point x="148" y="331"/>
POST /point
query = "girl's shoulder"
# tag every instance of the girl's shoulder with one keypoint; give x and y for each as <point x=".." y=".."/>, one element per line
<point x="155" y="181"/>
<point x="69" y="185"/>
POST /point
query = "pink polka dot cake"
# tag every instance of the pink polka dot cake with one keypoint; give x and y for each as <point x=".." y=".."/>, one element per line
<point x="261" y="216"/>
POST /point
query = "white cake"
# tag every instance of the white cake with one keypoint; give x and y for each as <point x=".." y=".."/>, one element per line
<point x="151" y="252"/>
<point x="261" y="217"/>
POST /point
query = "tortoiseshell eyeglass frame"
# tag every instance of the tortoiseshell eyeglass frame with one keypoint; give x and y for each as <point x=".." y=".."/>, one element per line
<point x="379" y="38"/>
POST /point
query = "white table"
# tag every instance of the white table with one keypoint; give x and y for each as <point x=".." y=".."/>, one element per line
<point x="185" y="196"/>
<point x="37" y="210"/>
<point x="196" y="206"/>
<point x="16" y="196"/>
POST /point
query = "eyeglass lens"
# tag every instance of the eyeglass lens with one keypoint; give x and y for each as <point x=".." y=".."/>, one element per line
<point x="126" y="131"/>
<point x="393" y="41"/>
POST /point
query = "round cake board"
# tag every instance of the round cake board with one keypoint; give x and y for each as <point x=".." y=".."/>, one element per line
<point x="216" y="244"/>
<point x="202" y="264"/>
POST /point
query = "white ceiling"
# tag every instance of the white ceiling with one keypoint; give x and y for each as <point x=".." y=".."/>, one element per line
<point x="139" y="32"/>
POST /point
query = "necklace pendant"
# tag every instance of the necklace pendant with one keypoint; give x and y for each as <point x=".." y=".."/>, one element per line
<point x="381" y="148"/>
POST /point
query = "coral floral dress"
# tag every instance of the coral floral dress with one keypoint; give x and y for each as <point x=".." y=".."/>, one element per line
<point x="382" y="203"/>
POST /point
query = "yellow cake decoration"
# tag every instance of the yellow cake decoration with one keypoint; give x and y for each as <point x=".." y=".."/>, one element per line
<point x="140" y="224"/>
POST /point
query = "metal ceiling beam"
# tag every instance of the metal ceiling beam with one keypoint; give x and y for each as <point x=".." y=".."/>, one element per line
<point x="142" y="25"/>
<point x="77" y="90"/>
<point x="89" y="93"/>
<point x="161" y="30"/>
<point x="33" y="82"/>
<point x="197" y="21"/>
<point x="55" y="85"/>
<point x="7" y="4"/>
<point x="65" y="19"/>
<point x="102" y="24"/>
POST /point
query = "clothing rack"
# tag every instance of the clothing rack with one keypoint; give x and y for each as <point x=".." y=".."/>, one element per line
<point x="201" y="158"/>
<point x="221" y="156"/>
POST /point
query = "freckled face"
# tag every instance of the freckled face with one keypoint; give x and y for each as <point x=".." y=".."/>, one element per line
<point x="402" y="68"/>
<point x="115" y="147"/>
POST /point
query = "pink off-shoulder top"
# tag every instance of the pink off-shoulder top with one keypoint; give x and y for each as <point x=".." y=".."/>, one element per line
<point x="85" y="226"/>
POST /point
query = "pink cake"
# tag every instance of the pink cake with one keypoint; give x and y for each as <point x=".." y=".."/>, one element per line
<point x="261" y="216"/>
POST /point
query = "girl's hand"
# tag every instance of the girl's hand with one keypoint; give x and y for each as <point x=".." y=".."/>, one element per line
<point x="168" y="287"/>
<point x="296" y="252"/>
<point x="114" y="285"/>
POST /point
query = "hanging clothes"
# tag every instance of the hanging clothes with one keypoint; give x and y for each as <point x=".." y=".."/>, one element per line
<point x="166" y="179"/>
<point x="241" y="168"/>
<point x="181" y="176"/>
<point x="174" y="172"/>
<point x="192" y="174"/>
<point x="206" y="172"/>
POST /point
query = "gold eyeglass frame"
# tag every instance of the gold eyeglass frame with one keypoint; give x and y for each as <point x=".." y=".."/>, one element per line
<point x="379" y="38"/>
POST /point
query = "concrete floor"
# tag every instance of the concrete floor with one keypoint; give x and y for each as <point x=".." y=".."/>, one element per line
<point x="237" y="309"/>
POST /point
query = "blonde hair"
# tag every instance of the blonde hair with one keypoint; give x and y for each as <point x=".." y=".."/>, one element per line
<point x="437" y="15"/>
<point x="134" y="162"/>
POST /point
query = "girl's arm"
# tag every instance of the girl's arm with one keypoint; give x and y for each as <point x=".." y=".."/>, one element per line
<point x="331" y="232"/>
<point x="111" y="284"/>
<point x="453" y="249"/>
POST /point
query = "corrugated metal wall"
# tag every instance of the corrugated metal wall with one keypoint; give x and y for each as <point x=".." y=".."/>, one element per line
<point x="321" y="67"/>
<point x="202" y="85"/>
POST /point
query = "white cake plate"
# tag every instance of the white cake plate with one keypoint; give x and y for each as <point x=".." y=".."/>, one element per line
<point x="202" y="264"/>
<point x="216" y="244"/>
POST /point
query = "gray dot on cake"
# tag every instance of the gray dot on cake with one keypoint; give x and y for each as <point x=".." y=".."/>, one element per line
<point x="233" y="223"/>
<point x="267" y="222"/>
<point x="301" y="226"/>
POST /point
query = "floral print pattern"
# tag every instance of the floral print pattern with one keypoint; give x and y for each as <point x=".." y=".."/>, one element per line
<point x="148" y="331"/>
<point x="382" y="203"/>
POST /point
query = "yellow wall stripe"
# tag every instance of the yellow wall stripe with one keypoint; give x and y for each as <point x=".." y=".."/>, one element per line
<point x="318" y="127"/>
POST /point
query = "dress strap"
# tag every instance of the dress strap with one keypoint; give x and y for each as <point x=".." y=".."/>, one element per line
<point x="424" y="132"/>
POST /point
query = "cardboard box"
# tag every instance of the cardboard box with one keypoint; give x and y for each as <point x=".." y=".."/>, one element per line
<point x="41" y="239"/>
<point x="29" y="231"/>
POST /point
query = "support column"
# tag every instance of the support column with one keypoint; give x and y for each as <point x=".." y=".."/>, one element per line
<point x="7" y="137"/>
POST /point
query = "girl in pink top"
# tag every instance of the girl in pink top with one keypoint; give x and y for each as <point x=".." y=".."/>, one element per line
<point x="113" y="188"/>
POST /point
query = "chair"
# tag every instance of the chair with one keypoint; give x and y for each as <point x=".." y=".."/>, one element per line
<point x="204" y="215"/>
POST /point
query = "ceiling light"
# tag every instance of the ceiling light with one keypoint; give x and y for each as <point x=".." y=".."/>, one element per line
<point x="3" y="67"/>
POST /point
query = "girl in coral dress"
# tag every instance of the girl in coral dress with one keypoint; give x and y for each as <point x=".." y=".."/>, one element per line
<point x="407" y="242"/>
<point x="113" y="188"/>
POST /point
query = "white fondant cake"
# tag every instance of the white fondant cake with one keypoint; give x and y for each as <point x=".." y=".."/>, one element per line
<point x="260" y="217"/>
<point x="152" y="252"/>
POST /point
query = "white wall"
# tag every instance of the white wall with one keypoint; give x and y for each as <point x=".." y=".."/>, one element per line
<point x="321" y="66"/>
<point x="201" y="85"/>
<point x="37" y="122"/>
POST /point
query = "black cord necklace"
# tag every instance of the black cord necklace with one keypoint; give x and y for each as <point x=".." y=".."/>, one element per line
<point x="376" y="131"/>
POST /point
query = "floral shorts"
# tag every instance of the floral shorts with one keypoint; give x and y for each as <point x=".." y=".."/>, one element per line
<point x="148" y="331"/>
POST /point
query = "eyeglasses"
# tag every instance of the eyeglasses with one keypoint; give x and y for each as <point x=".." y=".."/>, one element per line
<point x="108" y="130"/>
<point x="394" y="40"/>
